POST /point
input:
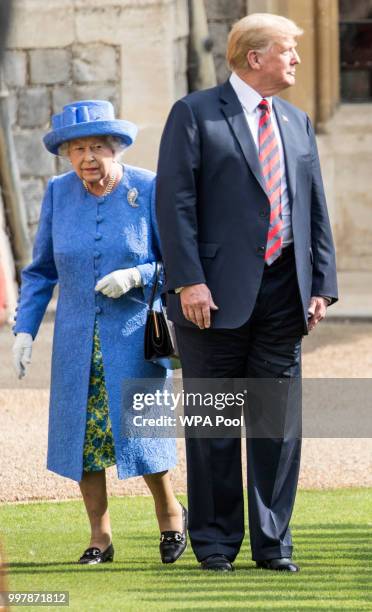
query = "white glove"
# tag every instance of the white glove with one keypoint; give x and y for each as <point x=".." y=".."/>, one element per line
<point x="22" y="351"/>
<point x="119" y="282"/>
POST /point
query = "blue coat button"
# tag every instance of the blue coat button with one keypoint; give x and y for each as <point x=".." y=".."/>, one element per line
<point x="100" y="201"/>
<point x="98" y="236"/>
<point x="96" y="273"/>
<point x="96" y="254"/>
<point x="98" y="309"/>
<point x="99" y="218"/>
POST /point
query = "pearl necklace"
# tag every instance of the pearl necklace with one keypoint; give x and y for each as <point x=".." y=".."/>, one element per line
<point x="109" y="186"/>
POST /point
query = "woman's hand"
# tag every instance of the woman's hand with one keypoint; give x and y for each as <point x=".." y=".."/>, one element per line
<point x="22" y="351"/>
<point x="117" y="283"/>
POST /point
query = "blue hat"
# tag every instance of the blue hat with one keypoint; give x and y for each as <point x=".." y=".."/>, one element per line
<point x="88" y="118"/>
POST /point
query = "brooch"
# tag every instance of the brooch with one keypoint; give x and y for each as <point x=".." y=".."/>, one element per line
<point x="132" y="197"/>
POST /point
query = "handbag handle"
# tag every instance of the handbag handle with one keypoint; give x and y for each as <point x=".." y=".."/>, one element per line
<point x="155" y="285"/>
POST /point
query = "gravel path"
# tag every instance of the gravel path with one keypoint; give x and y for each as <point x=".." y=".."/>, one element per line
<point x="334" y="350"/>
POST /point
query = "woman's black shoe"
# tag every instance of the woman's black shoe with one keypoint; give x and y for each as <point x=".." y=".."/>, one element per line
<point x="92" y="556"/>
<point x="173" y="543"/>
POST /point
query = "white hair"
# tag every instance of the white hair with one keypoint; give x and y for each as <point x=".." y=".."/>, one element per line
<point x="115" y="144"/>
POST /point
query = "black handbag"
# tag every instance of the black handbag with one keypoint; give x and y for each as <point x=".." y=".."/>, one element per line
<point x="160" y="340"/>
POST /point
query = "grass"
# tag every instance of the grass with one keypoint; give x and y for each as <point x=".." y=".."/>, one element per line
<point x="332" y="536"/>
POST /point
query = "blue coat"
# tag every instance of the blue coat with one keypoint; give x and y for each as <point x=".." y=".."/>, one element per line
<point x="80" y="239"/>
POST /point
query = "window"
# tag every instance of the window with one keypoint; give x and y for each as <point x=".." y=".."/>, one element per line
<point x="356" y="50"/>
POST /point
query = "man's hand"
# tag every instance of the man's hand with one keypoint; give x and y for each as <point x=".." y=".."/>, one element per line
<point x="317" y="310"/>
<point x="197" y="303"/>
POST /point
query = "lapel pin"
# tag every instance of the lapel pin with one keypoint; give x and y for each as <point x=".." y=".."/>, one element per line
<point x="285" y="118"/>
<point x="132" y="197"/>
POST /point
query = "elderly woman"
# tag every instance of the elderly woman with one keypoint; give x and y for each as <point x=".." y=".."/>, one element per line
<point x="97" y="239"/>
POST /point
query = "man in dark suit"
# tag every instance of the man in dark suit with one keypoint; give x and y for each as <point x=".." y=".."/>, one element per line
<point x="250" y="269"/>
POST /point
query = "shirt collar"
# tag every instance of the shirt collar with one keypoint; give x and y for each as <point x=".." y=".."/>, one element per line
<point x="248" y="97"/>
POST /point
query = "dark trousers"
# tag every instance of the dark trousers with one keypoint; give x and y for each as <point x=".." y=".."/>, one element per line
<point x="267" y="346"/>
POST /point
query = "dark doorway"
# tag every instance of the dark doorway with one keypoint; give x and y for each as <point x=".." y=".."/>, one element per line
<point x="356" y="50"/>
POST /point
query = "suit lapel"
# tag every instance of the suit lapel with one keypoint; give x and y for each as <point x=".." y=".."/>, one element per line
<point x="233" y="111"/>
<point x="288" y="137"/>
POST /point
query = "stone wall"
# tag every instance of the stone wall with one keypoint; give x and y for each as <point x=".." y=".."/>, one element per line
<point x="132" y="53"/>
<point x="40" y="82"/>
<point x="221" y="15"/>
<point x="346" y="156"/>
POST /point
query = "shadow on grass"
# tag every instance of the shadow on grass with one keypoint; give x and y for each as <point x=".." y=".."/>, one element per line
<point x="334" y="562"/>
<point x="236" y="599"/>
<point x="315" y="545"/>
<point x="281" y="609"/>
<point x="314" y="570"/>
<point x="332" y="527"/>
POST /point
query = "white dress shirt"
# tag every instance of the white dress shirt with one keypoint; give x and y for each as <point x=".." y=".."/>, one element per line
<point x="249" y="98"/>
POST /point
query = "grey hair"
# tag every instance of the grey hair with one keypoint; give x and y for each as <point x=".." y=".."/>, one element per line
<point x="115" y="144"/>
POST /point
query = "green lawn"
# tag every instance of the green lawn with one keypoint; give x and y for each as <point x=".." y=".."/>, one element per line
<point x="332" y="536"/>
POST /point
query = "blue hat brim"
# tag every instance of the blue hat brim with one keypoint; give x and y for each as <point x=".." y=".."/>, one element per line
<point x="124" y="130"/>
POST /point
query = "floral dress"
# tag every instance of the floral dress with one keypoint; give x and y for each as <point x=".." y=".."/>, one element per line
<point x="99" y="449"/>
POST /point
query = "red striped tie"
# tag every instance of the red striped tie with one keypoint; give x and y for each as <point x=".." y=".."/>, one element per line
<point x="270" y="165"/>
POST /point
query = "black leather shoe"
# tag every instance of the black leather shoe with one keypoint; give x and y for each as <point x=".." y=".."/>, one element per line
<point x="284" y="564"/>
<point x="218" y="563"/>
<point x="173" y="543"/>
<point x="92" y="556"/>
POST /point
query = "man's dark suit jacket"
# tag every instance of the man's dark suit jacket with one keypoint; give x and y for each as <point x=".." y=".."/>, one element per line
<point x="213" y="211"/>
